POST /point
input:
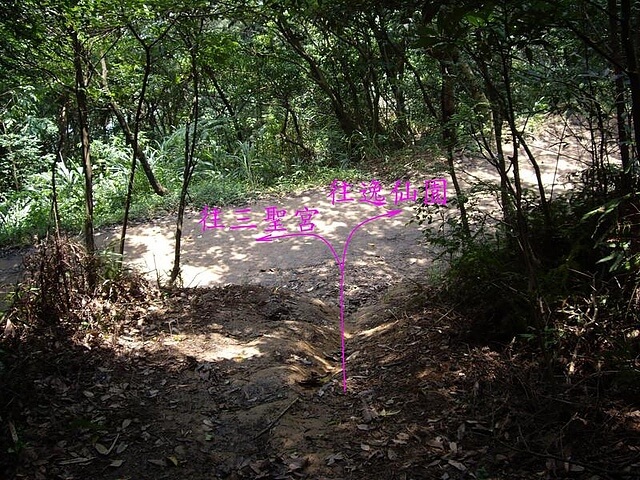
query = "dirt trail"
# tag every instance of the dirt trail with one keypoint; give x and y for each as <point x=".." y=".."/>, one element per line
<point x="242" y="379"/>
<point x="380" y="253"/>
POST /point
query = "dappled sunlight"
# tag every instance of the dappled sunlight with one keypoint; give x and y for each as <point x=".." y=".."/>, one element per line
<point x="377" y="330"/>
<point x="232" y="352"/>
<point x="418" y="261"/>
<point x="215" y="250"/>
<point x="222" y="256"/>
<point x="455" y="297"/>
<point x="198" y="277"/>
<point x="427" y="373"/>
<point x="331" y="227"/>
<point x="218" y="347"/>
<point x="559" y="167"/>
<point x="238" y="256"/>
<point x="316" y="355"/>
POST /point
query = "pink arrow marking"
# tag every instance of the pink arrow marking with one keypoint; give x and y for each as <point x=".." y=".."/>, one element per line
<point x="271" y="238"/>
<point x="341" y="265"/>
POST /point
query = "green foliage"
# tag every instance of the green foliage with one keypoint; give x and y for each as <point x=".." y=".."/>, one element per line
<point x="213" y="188"/>
<point x="488" y="283"/>
<point x="25" y="139"/>
<point x="449" y="234"/>
<point x="291" y="95"/>
<point x="587" y="280"/>
<point x="25" y="213"/>
<point x="618" y="233"/>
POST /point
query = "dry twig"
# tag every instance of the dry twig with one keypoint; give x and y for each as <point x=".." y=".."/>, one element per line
<point x="275" y="420"/>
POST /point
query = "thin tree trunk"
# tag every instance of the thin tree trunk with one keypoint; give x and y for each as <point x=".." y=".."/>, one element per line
<point x="496" y="109"/>
<point x="130" y="137"/>
<point x="449" y="138"/>
<point x="62" y="126"/>
<point x="83" y="120"/>
<point x="393" y="63"/>
<point x="190" y="142"/>
<point x="426" y="98"/>
<point x="348" y="126"/>
<point x="136" y="130"/>
<point x="630" y="45"/>
<point x="299" y="139"/>
<point x="225" y="101"/>
<point x="518" y="140"/>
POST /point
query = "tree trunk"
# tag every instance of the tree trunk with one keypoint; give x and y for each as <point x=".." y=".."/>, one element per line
<point x="393" y="63"/>
<point x="128" y="135"/>
<point x="449" y="138"/>
<point x="345" y="121"/>
<point x="225" y="101"/>
<point x="630" y="46"/>
<point x="507" y="192"/>
<point x="62" y="138"/>
<point x="299" y="139"/>
<point x="132" y="173"/>
<point x="619" y="88"/>
<point x="83" y="120"/>
<point x="190" y="142"/>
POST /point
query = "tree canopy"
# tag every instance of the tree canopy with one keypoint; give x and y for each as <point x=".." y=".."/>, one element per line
<point x="227" y="97"/>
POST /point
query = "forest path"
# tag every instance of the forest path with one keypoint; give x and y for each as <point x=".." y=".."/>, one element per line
<point x="245" y="381"/>
<point x="380" y="253"/>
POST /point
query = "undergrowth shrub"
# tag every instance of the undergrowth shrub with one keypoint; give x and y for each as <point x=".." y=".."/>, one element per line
<point x="597" y="327"/>
<point x="488" y="283"/>
<point x="587" y="285"/>
<point x="57" y="295"/>
<point x="599" y="332"/>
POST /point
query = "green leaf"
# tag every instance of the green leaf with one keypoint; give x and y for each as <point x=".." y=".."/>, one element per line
<point x="475" y="20"/>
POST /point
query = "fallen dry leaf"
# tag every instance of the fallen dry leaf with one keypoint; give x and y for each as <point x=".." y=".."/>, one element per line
<point x="435" y="443"/>
<point x="461" y="430"/>
<point x="76" y="461"/>
<point x="12" y="430"/>
<point x="297" y="464"/>
<point x="457" y="465"/>
<point x="384" y="413"/>
<point x="101" y="449"/>
<point x="331" y="459"/>
<point x="569" y="467"/>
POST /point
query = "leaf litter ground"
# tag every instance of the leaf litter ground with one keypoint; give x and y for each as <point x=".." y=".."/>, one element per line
<point x="244" y="382"/>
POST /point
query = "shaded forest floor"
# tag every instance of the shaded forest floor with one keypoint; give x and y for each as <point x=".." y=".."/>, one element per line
<point x="245" y="382"/>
